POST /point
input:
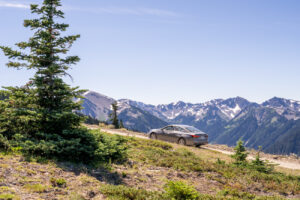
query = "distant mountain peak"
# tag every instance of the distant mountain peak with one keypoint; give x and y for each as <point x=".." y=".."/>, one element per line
<point x="97" y="95"/>
<point x="225" y="120"/>
<point x="286" y="107"/>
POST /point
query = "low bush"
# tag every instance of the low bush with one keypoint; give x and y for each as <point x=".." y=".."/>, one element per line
<point x="260" y="165"/>
<point x="5" y="196"/>
<point x="128" y="193"/>
<point x="58" y="182"/>
<point x="177" y="190"/>
<point x="78" y="145"/>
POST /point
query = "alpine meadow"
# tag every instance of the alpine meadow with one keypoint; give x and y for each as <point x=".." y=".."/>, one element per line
<point x="61" y="142"/>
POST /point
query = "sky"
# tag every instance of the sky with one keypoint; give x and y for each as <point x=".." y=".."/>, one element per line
<point x="163" y="51"/>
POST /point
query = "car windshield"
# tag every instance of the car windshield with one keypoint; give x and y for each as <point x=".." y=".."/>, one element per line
<point x="192" y="129"/>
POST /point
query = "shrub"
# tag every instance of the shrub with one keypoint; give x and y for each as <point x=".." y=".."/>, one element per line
<point x="220" y="162"/>
<point x="235" y="194"/>
<point x="177" y="190"/>
<point x="112" y="148"/>
<point x="38" y="188"/>
<point x="58" y="182"/>
<point x="5" y="196"/>
<point x="4" y="143"/>
<point x="78" y="145"/>
<point x="129" y="193"/>
<point x="261" y="165"/>
<point x="240" y="153"/>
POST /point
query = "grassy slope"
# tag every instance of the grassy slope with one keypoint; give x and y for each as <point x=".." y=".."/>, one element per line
<point x="151" y="164"/>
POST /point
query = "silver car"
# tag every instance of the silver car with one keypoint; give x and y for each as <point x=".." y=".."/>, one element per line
<point x="181" y="134"/>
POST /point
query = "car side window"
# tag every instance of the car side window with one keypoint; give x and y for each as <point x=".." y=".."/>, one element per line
<point x="177" y="128"/>
<point x="169" y="128"/>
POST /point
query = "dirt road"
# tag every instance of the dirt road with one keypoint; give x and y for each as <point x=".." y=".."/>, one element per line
<point x="295" y="164"/>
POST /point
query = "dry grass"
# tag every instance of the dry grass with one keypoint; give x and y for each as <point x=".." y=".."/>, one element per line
<point x="151" y="164"/>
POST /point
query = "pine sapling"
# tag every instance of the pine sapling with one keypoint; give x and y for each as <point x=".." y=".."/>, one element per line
<point x="240" y="155"/>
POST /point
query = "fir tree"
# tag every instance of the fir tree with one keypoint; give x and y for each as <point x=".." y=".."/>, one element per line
<point x="260" y="165"/>
<point x="45" y="55"/>
<point x="240" y="153"/>
<point x="40" y="115"/>
<point x="121" y="124"/>
<point x="114" y="115"/>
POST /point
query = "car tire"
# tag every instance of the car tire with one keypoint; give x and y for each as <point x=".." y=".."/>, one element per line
<point x="153" y="136"/>
<point x="182" y="141"/>
<point x="198" y="145"/>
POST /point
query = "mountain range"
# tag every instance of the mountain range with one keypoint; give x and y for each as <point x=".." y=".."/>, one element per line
<point x="274" y="125"/>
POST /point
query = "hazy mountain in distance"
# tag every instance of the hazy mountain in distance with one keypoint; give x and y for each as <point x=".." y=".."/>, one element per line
<point x="290" y="109"/>
<point x="98" y="106"/>
<point x="225" y="120"/>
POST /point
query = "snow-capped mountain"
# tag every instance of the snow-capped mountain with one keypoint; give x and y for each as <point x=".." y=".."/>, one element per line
<point x="286" y="107"/>
<point x="228" y="108"/>
<point x="225" y="120"/>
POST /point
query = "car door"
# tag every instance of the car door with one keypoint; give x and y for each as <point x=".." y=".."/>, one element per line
<point x="166" y="132"/>
<point x="178" y="133"/>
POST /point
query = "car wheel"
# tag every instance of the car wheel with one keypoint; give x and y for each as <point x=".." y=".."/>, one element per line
<point x="153" y="136"/>
<point x="181" y="141"/>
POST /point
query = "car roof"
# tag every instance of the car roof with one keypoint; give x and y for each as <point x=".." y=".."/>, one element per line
<point x="180" y="125"/>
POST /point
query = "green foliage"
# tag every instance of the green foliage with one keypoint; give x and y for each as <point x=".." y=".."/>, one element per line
<point x="175" y="191"/>
<point x="162" y="154"/>
<point x="220" y="162"/>
<point x="48" y="101"/>
<point x="4" y="143"/>
<point x="58" y="182"/>
<point x="39" y="119"/>
<point x="5" y="196"/>
<point x="121" y="124"/>
<point x="261" y="165"/>
<point x="178" y="190"/>
<point x="79" y="145"/>
<point x="112" y="148"/>
<point x="128" y="193"/>
<point x="235" y="194"/>
<point x="240" y="153"/>
<point x="114" y="115"/>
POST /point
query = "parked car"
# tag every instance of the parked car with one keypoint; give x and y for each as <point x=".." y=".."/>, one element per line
<point x="181" y="134"/>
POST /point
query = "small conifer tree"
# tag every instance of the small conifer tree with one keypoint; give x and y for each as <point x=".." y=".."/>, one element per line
<point x="121" y="124"/>
<point x="240" y="153"/>
<point x="114" y="115"/>
<point x="260" y="165"/>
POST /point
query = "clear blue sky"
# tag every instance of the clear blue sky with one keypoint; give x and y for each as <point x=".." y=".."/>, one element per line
<point x="162" y="51"/>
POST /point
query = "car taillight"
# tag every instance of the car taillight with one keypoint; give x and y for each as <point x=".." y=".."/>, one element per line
<point x="195" y="136"/>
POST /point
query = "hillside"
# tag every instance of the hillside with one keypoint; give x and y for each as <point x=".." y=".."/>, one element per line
<point x="149" y="166"/>
<point x="225" y="120"/>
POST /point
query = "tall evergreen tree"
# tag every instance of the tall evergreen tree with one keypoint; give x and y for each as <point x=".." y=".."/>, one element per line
<point x="44" y="52"/>
<point x="114" y="115"/>
<point x="39" y="117"/>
